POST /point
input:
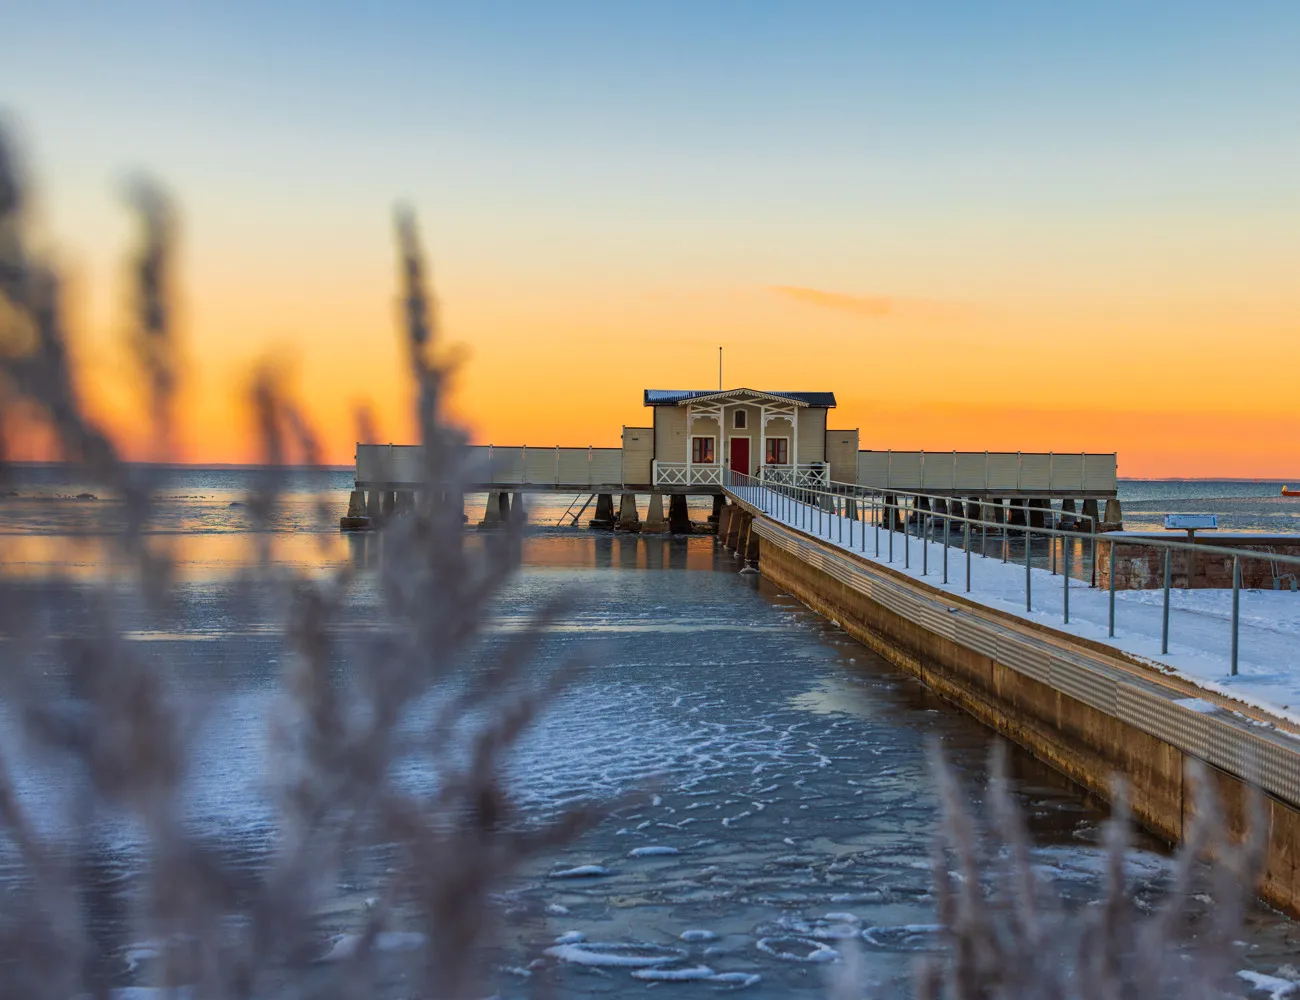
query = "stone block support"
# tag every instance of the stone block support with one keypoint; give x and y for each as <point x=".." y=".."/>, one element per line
<point x="718" y="502"/>
<point x="975" y="509"/>
<point x="628" y="518"/>
<point x="517" y="512"/>
<point x="893" y="513"/>
<point x="405" y="499"/>
<point x="357" y="504"/>
<point x="654" y="522"/>
<point x="724" y="520"/>
<point x="1091" y="513"/>
<point x="751" y="544"/>
<point x="374" y="505"/>
<point x="1016" y="514"/>
<point x="492" y="512"/>
<point x="735" y="523"/>
<point x="604" y="516"/>
<point x="679" y="519"/>
<point x="389" y="503"/>
<point x="1114" y="515"/>
<point x="1037" y="513"/>
<point x="999" y="511"/>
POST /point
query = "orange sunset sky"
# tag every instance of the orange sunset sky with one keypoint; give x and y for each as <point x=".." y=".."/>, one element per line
<point x="1004" y="226"/>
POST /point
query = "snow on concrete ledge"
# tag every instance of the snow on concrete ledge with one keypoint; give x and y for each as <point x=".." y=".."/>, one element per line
<point x="1200" y="638"/>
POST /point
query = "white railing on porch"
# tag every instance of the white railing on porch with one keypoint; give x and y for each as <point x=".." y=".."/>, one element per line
<point x="686" y="474"/>
<point x="815" y="474"/>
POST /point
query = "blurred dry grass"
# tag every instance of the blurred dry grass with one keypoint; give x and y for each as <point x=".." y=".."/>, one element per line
<point x="122" y="732"/>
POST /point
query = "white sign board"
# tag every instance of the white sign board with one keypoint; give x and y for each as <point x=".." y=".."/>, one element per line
<point x="1191" y="522"/>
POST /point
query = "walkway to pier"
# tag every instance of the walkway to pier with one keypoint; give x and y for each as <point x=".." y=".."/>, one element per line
<point x="1200" y="639"/>
<point x="1037" y="655"/>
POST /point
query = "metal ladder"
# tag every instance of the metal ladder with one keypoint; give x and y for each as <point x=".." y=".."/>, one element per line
<point x="569" y="511"/>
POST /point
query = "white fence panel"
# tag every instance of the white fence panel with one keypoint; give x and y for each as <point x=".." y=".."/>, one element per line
<point x="1004" y="471"/>
<point x="575" y="466"/>
<point x="972" y="470"/>
<point x="540" y="465"/>
<point x="936" y="471"/>
<point x="873" y="468"/>
<point x="606" y="465"/>
<point x="507" y="465"/>
<point x="905" y="470"/>
<point x="1067" y="472"/>
<point x="1101" y="472"/>
<point x="1035" y="472"/>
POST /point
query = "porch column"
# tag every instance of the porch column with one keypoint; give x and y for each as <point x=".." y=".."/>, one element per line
<point x="762" y="441"/>
<point x="689" y="429"/>
<point x="794" y="446"/>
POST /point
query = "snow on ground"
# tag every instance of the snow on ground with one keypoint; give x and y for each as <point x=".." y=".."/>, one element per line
<point x="1199" y="621"/>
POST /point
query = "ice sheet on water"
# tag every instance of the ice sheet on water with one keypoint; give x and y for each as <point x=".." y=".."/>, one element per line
<point x="345" y="945"/>
<point x="652" y="851"/>
<point x="616" y="956"/>
<point x="1278" y="988"/>
<point x="571" y="937"/>
<point x="674" y="975"/>
<point x="738" y="980"/>
<point x="582" y="871"/>
<point x="903" y="937"/>
<point x="694" y="935"/>
<point x="809" y="949"/>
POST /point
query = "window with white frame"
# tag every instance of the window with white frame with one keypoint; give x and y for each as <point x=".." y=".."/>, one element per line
<point x="702" y="450"/>
<point x="740" y="420"/>
<point x="778" y="451"/>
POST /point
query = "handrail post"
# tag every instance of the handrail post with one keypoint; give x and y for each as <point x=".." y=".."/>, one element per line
<point x="1111" y="561"/>
<point x="1236" y="609"/>
<point x="907" y="539"/>
<point x="925" y="554"/>
<point x="946" y="525"/>
<point x="1164" y="623"/>
<point x="1029" y="606"/>
<point x="1067" y="545"/>
<point x="966" y="546"/>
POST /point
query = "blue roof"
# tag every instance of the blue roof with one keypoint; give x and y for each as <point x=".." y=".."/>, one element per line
<point x="670" y="397"/>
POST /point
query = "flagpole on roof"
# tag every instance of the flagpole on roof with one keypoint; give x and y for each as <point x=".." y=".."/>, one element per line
<point x="719" y="369"/>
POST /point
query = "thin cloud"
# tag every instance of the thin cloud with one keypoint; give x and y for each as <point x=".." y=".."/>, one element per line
<point x="872" y="306"/>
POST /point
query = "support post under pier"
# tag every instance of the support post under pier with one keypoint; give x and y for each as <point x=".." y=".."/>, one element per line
<point x="654" y="522"/>
<point x="604" y="516"/>
<point x="628" y="518"/>
<point x="679" y="519"/>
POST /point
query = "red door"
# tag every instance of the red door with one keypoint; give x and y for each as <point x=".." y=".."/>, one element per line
<point x="740" y="456"/>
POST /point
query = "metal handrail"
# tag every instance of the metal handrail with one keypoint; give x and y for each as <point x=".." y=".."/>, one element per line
<point x="878" y="498"/>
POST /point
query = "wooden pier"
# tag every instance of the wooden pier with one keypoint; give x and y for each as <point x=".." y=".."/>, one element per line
<point x="698" y="438"/>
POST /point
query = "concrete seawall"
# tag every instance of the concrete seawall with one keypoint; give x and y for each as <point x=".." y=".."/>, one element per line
<point x="1080" y="706"/>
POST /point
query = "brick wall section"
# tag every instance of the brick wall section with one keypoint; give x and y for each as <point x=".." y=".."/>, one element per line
<point x="1141" y="567"/>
